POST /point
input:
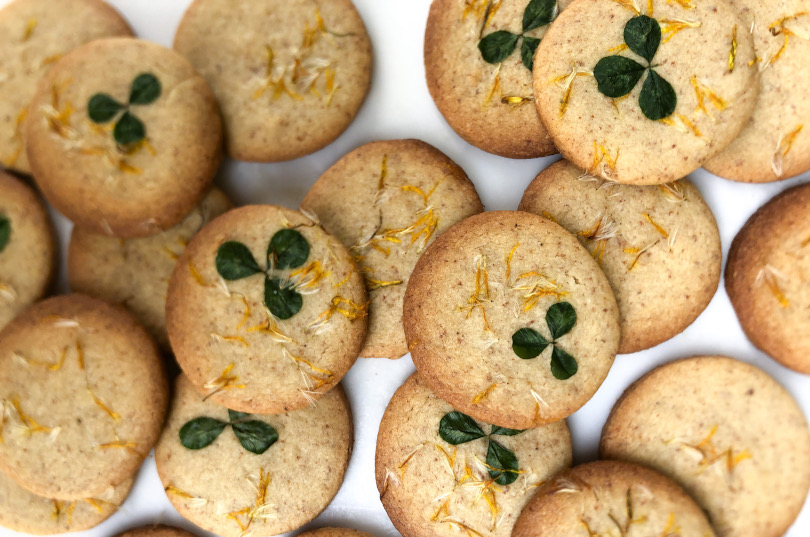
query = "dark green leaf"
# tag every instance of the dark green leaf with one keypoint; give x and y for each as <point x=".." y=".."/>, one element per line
<point x="236" y="416"/>
<point x="145" y="89"/>
<point x="643" y="35"/>
<point x="288" y="249"/>
<point x="616" y="76"/>
<point x="498" y="46"/>
<point x="563" y="365"/>
<point x="5" y="232"/>
<point x="528" y="343"/>
<point x="234" y="261"/>
<point x="560" y="318"/>
<point x="503" y="464"/>
<point x="657" y="98"/>
<point x="538" y="13"/>
<point x="283" y="302"/>
<point x="102" y="108"/>
<point x="527" y="49"/>
<point x="200" y="432"/>
<point x="497" y="429"/>
<point x="129" y="130"/>
<point x="255" y="436"/>
<point x="457" y="428"/>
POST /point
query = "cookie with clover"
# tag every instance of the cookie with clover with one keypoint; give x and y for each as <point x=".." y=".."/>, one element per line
<point x="239" y="474"/>
<point x="479" y="56"/>
<point x="387" y="201"/>
<point x="510" y="320"/>
<point x="265" y="311"/>
<point x="124" y="137"/>
<point x="440" y="472"/>
<point x="624" y="97"/>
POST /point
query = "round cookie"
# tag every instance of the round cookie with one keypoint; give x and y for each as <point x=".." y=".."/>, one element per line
<point x="641" y="236"/>
<point x="624" y="97"/>
<point x="34" y="35"/>
<point x="136" y="272"/>
<point x="83" y="394"/>
<point x="335" y="532"/>
<point x="125" y="151"/>
<point x="612" y="498"/>
<point x="27" y="248"/>
<point x="266" y="311"/>
<point x="510" y="320"/>
<point x="478" y="62"/>
<point x="242" y="473"/>
<point x="767" y="277"/>
<point x="387" y="201"/>
<point x="725" y="431"/>
<point x="775" y="143"/>
<point x="440" y="472"/>
<point x="157" y="530"/>
<point x="290" y="75"/>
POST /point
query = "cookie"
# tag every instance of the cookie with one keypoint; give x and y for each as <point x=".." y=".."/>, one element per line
<point x="775" y="143"/>
<point x="732" y="437"/>
<point x="290" y="75"/>
<point x="612" y="498"/>
<point x="124" y="137"/>
<point x="658" y="245"/>
<point x="387" y="201"/>
<point x="35" y="34"/>
<point x="767" y="278"/>
<point x="335" y="532"/>
<point x="83" y="394"/>
<point x="157" y="530"/>
<point x="266" y="311"/>
<point x="239" y="474"/>
<point x="27" y="248"/>
<point x="136" y="272"/>
<point x="620" y="90"/>
<point x="478" y="63"/>
<point x="439" y="472"/>
<point x="510" y="320"/>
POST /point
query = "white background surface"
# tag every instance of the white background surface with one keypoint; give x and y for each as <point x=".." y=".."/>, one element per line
<point x="399" y="106"/>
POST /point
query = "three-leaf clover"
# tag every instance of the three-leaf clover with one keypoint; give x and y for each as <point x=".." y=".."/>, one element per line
<point x="287" y="249"/>
<point x="456" y="428"/>
<point x="498" y="46"/>
<point x="254" y="435"/>
<point x="128" y="129"/>
<point x="528" y="343"/>
<point x="5" y="232"/>
<point x="616" y="76"/>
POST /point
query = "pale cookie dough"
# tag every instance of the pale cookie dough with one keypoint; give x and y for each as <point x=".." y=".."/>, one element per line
<point x="335" y="532"/>
<point x="158" y="530"/>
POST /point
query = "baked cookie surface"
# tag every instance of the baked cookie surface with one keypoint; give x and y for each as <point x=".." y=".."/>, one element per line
<point x="387" y="201"/>
<point x="510" y="320"/>
<point x="290" y="75"/>
<point x="158" y="530"/>
<point x="335" y="532"/>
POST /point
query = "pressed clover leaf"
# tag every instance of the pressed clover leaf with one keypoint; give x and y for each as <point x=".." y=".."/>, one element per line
<point x="560" y="318"/>
<point x="528" y="343"/>
<point x="538" y="13"/>
<point x="102" y="108"/>
<point x="234" y="261"/>
<point x="201" y="432"/>
<point x="282" y="300"/>
<point x="643" y="36"/>
<point x="128" y="129"/>
<point x="457" y="428"/>
<point x="288" y="249"/>
<point x="503" y="464"/>
<point x="657" y="99"/>
<point x="5" y="232"/>
<point x="497" y="429"/>
<point x="563" y="365"/>
<point x="254" y="435"/>
<point x="527" y="50"/>
<point x="616" y="76"/>
<point x="499" y="45"/>
<point x="145" y="89"/>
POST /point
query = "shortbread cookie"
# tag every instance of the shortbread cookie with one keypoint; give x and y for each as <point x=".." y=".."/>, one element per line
<point x="624" y="95"/>
<point x="387" y="201"/>
<point x="658" y="245"/>
<point x="510" y="320"/>
<point x="158" y="530"/>
<point x="775" y="143"/>
<point x="83" y="394"/>
<point x="33" y="35"/>
<point x="27" y="247"/>
<point x="290" y="75"/>
<point x="234" y="473"/>
<point x="266" y="311"/>
<point x="335" y="532"/>
<point x="768" y="278"/>
<point x="136" y="272"/>
<point x="612" y="498"/>
<point x="124" y="137"/>
<point x="478" y="62"/>
<point x="439" y="471"/>
<point x="726" y="432"/>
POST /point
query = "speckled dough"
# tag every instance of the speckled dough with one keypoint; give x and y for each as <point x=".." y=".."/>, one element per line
<point x="612" y="498"/>
<point x="230" y="491"/>
<point x="482" y="281"/>
<point x="335" y="532"/>
<point x="158" y="530"/>
<point x="726" y="432"/>
<point x="658" y="245"/>
<point x="612" y="138"/>
<point x="33" y="35"/>
<point x="768" y="278"/>
<point x="290" y="75"/>
<point x="387" y="201"/>
<point x="83" y="394"/>
<point x="431" y="488"/>
<point x="131" y="191"/>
